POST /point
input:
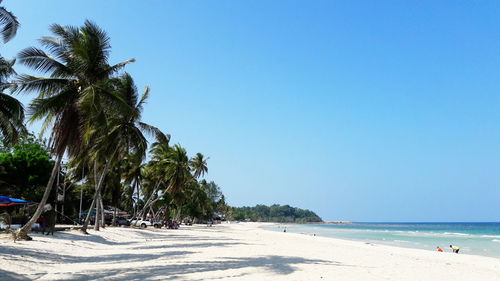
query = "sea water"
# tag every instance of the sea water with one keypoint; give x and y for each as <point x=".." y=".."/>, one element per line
<point x="472" y="238"/>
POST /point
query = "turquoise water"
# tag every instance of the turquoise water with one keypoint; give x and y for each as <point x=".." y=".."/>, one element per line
<point x="473" y="238"/>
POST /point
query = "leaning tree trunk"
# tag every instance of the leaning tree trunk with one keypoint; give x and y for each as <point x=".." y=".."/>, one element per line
<point x="148" y="202"/>
<point x="22" y="234"/>
<point x="98" y="189"/>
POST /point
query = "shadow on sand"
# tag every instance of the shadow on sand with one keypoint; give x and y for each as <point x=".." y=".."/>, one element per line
<point x="8" y="275"/>
<point x="222" y="267"/>
<point x="279" y="265"/>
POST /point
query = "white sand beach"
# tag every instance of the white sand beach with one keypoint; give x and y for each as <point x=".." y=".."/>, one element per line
<point x="239" y="251"/>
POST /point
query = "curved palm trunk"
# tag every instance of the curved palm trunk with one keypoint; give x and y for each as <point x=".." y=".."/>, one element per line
<point x="22" y="234"/>
<point x="98" y="190"/>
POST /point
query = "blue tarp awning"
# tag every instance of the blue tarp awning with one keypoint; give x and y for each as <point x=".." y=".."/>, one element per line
<point x="7" y="201"/>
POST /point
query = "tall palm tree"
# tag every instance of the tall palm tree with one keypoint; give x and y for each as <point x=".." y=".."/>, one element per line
<point x="11" y="110"/>
<point x="121" y="132"/>
<point x="77" y="61"/>
<point x="199" y="165"/>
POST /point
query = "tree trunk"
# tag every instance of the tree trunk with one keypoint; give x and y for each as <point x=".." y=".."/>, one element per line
<point x="64" y="201"/>
<point x="101" y="180"/>
<point x="114" y="216"/>
<point x="135" y="186"/>
<point x="22" y="233"/>
<point x="103" y="218"/>
<point x="148" y="202"/>
<point x="97" y="222"/>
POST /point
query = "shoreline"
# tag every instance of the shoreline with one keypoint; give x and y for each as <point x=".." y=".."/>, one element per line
<point x="372" y="243"/>
<point x="471" y="243"/>
<point x="236" y="251"/>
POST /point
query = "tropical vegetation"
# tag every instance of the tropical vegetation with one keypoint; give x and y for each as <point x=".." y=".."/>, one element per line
<point x="275" y="213"/>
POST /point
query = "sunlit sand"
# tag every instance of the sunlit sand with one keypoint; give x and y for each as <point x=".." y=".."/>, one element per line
<point x="240" y="251"/>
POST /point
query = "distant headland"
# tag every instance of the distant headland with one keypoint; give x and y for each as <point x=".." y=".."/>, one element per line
<point x="275" y="213"/>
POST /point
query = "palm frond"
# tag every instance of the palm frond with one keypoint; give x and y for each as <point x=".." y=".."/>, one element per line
<point x="39" y="60"/>
<point x="44" y="86"/>
<point x="10" y="25"/>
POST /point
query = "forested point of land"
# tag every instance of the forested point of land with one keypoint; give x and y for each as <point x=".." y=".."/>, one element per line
<point x="275" y="213"/>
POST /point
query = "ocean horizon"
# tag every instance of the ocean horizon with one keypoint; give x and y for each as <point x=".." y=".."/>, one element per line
<point x="475" y="238"/>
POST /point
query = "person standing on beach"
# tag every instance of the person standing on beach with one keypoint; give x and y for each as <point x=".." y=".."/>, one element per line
<point x="455" y="249"/>
<point x="50" y="221"/>
<point x="41" y="223"/>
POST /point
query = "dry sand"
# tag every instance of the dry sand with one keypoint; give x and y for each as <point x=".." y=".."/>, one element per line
<point x="229" y="251"/>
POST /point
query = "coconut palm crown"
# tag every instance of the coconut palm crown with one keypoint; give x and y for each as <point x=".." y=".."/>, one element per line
<point x="199" y="165"/>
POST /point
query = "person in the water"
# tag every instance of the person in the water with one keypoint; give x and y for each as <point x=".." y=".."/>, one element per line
<point x="439" y="249"/>
<point x="455" y="249"/>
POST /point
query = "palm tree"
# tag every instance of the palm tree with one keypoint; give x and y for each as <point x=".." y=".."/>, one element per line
<point x="199" y="165"/>
<point x="152" y="175"/>
<point x="177" y="172"/>
<point x="11" y="110"/>
<point x="132" y="179"/>
<point x="121" y="131"/>
<point x="77" y="61"/>
<point x="176" y="168"/>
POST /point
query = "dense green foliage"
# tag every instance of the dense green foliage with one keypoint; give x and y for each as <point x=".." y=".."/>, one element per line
<point x="275" y="213"/>
<point x="25" y="169"/>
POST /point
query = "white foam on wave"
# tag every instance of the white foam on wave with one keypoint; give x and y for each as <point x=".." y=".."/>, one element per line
<point x="490" y="236"/>
<point x="456" y="233"/>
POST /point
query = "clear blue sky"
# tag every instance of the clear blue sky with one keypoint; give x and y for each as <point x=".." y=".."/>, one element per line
<point x="358" y="110"/>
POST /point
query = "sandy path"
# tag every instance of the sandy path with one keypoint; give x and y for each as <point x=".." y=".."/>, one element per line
<point x="235" y="252"/>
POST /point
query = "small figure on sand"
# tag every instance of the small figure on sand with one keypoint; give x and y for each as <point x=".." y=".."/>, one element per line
<point x="41" y="223"/>
<point x="455" y="249"/>
<point x="439" y="249"/>
<point x="50" y="221"/>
